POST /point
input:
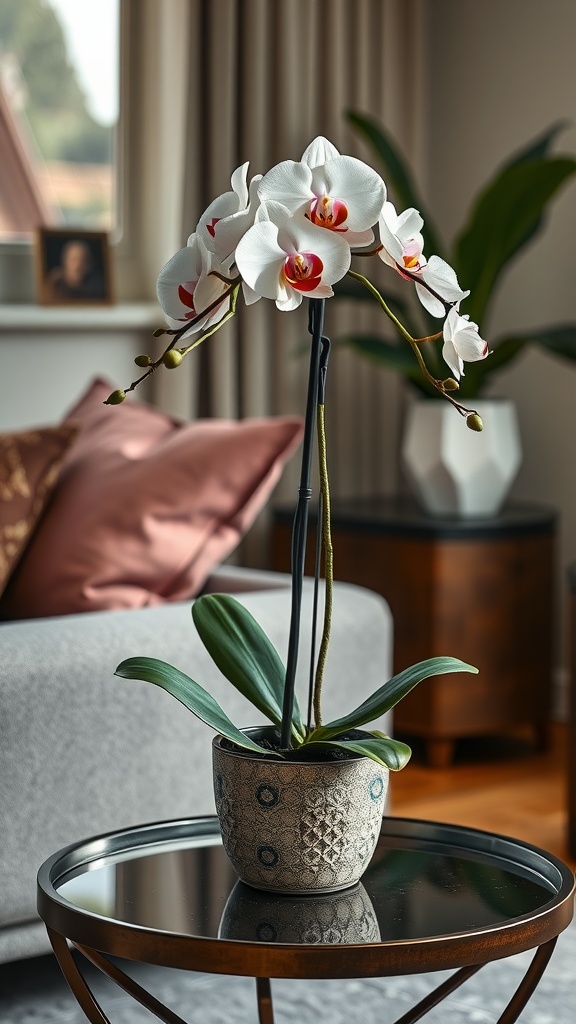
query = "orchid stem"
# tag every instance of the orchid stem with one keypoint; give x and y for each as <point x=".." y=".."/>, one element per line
<point x="328" y="565"/>
<point x="405" y="334"/>
<point x="300" y="525"/>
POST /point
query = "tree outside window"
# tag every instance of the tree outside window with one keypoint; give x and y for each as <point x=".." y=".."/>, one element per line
<point x="56" y="139"/>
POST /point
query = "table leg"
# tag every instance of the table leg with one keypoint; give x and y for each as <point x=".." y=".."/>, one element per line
<point x="123" y="980"/>
<point x="438" y="994"/>
<point x="264" y="994"/>
<point x="75" y="980"/>
<point x="527" y="986"/>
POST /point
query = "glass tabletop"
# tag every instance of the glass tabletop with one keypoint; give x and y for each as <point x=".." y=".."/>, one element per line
<point x="426" y="882"/>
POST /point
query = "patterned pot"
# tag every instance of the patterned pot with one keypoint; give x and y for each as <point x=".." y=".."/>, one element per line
<point x="297" y="826"/>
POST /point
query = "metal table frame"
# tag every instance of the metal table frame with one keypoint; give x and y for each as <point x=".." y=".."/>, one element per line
<point x="466" y="951"/>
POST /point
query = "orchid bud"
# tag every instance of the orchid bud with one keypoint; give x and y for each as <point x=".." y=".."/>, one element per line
<point x="172" y="358"/>
<point x="142" y="360"/>
<point x="116" y="398"/>
<point x="474" y="421"/>
<point x="450" y="384"/>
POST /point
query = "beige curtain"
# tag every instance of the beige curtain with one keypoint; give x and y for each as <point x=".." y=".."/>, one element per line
<point x="257" y="80"/>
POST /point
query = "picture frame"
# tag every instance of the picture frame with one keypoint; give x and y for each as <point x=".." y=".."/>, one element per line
<point x="73" y="267"/>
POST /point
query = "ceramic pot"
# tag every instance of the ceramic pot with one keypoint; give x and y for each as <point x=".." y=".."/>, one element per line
<point x="455" y="471"/>
<point x="297" y="826"/>
<point x="346" y="917"/>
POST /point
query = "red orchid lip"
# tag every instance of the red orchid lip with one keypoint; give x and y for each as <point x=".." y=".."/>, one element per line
<point x="186" y="294"/>
<point x="329" y="213"/>
<point x="303" y="271"/>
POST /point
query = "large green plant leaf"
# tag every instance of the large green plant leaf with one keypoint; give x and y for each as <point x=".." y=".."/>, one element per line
<point x="244" y="654"/>
<point x="538" y="147"/>
<point x="389" y="694"/>
<point x="476" y="374"/>
<point x="348" y="288"/>
<point x="397" y="175"/>
<point x="506" y="215"/>
<point x="560" y="340"/>
<point x="190" y="694"/>
<point x="394" y="355"/>
<point x="392" y="754"/>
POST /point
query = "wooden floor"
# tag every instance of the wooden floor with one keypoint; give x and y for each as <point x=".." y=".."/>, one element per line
<point x="501" y="785"/>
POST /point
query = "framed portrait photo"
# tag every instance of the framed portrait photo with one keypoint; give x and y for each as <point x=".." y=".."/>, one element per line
<point x="73" y="267"/>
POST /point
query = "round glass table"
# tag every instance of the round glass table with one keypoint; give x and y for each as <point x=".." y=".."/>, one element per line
<point x="435" y="897"/>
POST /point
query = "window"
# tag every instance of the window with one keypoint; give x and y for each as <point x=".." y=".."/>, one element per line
<point x="59" y="99"/>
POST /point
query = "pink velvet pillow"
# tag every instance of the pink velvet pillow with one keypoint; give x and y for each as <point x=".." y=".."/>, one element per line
<point x="145" y="507"/>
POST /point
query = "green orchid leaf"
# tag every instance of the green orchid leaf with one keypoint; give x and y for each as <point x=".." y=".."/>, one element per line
<point x="538" y="148"/>
<point x="190" y="694"/>
<point x="390" y="753"/>
<point x="244" y="654"/>
<point x="389" y="694"/>
<point x="507" y="214"/>
<point x="397" y="175"/>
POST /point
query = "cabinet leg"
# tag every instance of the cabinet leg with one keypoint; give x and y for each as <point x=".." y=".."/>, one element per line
<point x="440" y="753"/>
<point x="542" y="736"/>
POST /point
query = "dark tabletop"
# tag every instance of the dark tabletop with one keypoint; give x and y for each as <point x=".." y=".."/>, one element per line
<point x="431" y="892"/>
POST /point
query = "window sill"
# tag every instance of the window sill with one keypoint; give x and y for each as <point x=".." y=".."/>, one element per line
<point x="124" y="316"/>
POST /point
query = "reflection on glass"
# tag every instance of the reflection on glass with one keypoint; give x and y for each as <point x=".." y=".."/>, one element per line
<point x="408" y="892"/>
<point x="343" y="917"/>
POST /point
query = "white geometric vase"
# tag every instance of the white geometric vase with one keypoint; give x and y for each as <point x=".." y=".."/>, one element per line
<point x="455" y="471"/>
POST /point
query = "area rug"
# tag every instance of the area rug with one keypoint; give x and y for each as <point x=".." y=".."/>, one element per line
<point x="33" y="992"/>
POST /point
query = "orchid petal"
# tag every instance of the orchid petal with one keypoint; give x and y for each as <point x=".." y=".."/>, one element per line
<point x="433" y="305"/>
<point x="250" y="296"/>
<point x="183" y="269"/>
<point x="287" y="183"/>
<point x="409" y="224"/>
<point x="392" y="244"/>
<point x="359" y="187"/>
<point x="260" y="259"/>
<point x="452" y="359"/>
<point x="239" y="186"/>
<point x="319" y="152"/>
<point x="292" y="301"/>
<point x="442" y="278"/>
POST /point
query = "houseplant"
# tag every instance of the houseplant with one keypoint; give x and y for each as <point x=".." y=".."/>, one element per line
<point x="506" y="216"/>
<point x="288" y="235"/>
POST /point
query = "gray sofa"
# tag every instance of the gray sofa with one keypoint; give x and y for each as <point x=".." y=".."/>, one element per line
<point x="83" y="752"/>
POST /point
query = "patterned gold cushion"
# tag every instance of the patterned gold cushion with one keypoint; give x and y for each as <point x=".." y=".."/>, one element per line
<point x="29" y="465"/>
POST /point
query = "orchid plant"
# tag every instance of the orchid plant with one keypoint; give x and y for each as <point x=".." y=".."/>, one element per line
<point x="288" y="235"/>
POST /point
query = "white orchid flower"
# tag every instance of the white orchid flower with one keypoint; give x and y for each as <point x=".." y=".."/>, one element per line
<point x="186" y="287"/>
<point x="441" y="277"/>
<point x="285" y="258"/>
<point x="338" y="193"/>
<point x="400" y="235"/>
<point x="228" y="217"/>
<point x="462" y="342"/>
<point x="403" y="244"/>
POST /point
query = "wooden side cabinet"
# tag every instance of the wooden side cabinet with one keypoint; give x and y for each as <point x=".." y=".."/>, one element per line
<point x="480" y="590"/>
